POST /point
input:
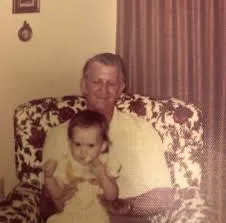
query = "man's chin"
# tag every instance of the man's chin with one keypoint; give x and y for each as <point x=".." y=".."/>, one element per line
<point x="102" y="108"/>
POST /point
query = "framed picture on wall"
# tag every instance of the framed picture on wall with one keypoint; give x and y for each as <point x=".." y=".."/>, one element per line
<point x="26" y="6"/>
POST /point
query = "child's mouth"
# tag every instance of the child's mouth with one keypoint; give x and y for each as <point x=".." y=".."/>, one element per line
<point x="84" y="160"/>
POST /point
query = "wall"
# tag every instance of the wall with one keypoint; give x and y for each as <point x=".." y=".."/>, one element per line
<point x="64" y="36"/>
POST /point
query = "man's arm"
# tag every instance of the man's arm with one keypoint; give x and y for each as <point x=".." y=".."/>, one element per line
<point x="152" y="202"/>
<point x="57" y="140"/>
<point x="59" y="193"/>
<point x="51" y="183"/>
<point x="160" y="197"/>
<point x="53" y="187"/>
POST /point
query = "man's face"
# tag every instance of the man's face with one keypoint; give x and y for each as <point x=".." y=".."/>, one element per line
<point x="102" y="86"/>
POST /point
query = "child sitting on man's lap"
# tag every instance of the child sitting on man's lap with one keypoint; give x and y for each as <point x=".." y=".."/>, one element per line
<point x="83" y="170"/>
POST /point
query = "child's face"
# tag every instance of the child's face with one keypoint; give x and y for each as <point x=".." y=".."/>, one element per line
<point x="86" y="144"/>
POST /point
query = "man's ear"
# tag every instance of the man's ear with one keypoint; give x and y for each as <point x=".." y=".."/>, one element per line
<point x="83" y="86"/>
<point x="104" y="146"/>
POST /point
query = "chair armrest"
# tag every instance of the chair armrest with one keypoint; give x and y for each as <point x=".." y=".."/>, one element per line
<point x="191" y="206"/>
<point x="21" y="204"/>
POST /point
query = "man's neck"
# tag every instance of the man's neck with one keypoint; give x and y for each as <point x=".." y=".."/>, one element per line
<point x="108" y="113"/>
<point x="109" y="116"/>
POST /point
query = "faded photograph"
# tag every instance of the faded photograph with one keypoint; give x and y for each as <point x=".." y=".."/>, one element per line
<point x="113" y="112"/>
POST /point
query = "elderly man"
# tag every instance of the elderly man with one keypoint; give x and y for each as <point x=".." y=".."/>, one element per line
<point x="144" y="180"/>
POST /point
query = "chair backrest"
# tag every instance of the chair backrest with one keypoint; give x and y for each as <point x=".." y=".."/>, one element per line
<point x="178" y="124"/>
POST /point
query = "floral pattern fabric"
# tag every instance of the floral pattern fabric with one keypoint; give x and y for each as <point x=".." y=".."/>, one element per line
<point x="179" y="125"/>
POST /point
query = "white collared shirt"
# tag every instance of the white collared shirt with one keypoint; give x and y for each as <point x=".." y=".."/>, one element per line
<point x="138" y="148"/>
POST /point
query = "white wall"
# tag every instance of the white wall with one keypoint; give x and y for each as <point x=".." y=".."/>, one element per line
<point x="65" y="34"/>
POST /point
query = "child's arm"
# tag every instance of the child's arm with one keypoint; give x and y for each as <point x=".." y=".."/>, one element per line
<point x="107" y="183"/>
<point x="55" y="190"/>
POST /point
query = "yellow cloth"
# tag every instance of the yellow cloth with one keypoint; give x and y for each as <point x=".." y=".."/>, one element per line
<point x="84" y="207"/>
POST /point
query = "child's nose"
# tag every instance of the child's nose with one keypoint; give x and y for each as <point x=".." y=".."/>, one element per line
<point x="85" y="150"/>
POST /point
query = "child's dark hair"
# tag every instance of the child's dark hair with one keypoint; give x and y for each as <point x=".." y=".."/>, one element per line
<point x="89" y="118"/>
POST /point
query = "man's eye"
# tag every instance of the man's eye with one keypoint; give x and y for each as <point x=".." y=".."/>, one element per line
<point x="112" y="84"/>
<point x="91" y="145"/>
<point x="96" y="82"/>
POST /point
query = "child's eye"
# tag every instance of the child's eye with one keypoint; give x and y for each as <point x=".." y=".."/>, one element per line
<point x="91" y="145"/>
<point x="77" y="144"/>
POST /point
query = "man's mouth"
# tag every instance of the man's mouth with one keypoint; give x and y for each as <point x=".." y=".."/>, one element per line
<point x="103" y="99"/>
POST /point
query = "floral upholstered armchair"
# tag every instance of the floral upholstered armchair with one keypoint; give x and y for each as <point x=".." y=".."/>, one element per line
<point x="178" y="124"/>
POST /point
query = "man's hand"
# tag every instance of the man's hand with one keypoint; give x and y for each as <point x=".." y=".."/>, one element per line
<point x="117" y="207"/>
<point x="49" y="167"/>
<point x="68" y="192"/>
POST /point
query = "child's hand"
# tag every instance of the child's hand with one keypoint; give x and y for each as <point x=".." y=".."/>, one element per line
<point x="49" y="167"/>
<point x="97" y="167"/>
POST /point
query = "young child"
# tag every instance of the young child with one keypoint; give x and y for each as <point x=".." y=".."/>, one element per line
<point x="83" y="169"/>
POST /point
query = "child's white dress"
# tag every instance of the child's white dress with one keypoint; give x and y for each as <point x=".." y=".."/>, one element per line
<point x="84" y="207"/>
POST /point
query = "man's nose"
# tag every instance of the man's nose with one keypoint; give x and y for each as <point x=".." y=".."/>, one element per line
<point x="104" y="89"/>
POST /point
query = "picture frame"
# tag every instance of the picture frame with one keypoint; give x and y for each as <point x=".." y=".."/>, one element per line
<point x="26" y="6"/>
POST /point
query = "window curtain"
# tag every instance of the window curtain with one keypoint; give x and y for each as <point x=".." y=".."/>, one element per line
<point x="177" y="48"/>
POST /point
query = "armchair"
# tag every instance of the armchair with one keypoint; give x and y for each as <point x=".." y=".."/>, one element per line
<point x="178" y="124"/>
